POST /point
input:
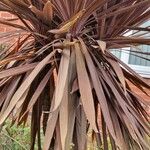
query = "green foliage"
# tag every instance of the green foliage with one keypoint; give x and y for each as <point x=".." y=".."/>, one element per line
<point x="14" y="137"/>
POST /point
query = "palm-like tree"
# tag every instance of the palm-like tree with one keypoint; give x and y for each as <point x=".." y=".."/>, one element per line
<point x="62" y="71"/>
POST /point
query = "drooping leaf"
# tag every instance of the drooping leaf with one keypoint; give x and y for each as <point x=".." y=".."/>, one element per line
<point x="98" y="88"/>
<point x="25" y="85"/>
<point x="63" y="117"/>
<point x="62" y="77"/>
<point x="56" y="65"/>
<point x="85" y="90"/>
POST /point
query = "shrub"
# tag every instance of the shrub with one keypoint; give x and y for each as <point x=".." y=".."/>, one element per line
<point x="61" y="70"/>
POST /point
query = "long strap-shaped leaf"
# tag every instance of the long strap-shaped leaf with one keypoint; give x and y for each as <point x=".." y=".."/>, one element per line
<point x="98" y="88"/>
<point x="118" y="70"/>
<point x="72" y="102"/>
<point x="17" y="70"/>
<point x="51" y="124"/>
<point x="62" y="77"/>
<point x="63" y="117"/>
<point x="58" y="96"/>
<point x="25" y="85"/>
<point x="85" y="87"/>
<point x="38" y="91"/>
<point x="81" y="128"/>
<point x="125" y="108"/>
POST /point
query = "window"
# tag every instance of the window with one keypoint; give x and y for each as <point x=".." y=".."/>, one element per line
<point x="136" y="60"/>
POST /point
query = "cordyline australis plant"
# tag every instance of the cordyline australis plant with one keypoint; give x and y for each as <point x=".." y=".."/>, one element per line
<point x="62" y="71"/>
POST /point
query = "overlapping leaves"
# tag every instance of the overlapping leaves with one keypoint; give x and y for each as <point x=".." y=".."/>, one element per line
<point x="60" y="70"/>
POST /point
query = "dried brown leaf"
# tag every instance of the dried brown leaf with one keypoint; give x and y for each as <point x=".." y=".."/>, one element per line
<point x="85" y="87"/>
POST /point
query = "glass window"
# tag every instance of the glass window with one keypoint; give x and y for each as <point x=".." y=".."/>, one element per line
<point x="134" y="59"/>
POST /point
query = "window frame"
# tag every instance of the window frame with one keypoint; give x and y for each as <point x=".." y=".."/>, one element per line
<point x="144" y="71"/>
